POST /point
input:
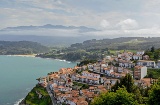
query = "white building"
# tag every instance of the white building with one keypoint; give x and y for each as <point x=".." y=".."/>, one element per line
<point x="150" y="64"/>
<point x="140" y="72"/>
<point x="140" y="52"/>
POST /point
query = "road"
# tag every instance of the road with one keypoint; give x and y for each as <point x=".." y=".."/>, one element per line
<point x="51" y="95"/>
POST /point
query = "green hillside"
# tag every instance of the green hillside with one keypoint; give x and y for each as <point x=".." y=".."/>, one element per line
<point x="21" y="47"/>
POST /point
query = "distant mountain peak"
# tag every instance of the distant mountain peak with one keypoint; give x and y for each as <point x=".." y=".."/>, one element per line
<point x="50" y="26"/>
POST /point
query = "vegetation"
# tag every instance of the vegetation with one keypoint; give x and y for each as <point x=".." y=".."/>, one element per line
<point x="154" y="95"/>
<point x="120" y="97"/>
<point x="154" y="54"/>
<point x="125" y="93"/>
<point x="33" y="98"/>
<point x="126" y="81"/>
<point x="97" y="49"/>
<point x="21" y="47"/>
<point x="83" y="86"/>
<point x="153" y="73"/>
<point x="85" y="62"/>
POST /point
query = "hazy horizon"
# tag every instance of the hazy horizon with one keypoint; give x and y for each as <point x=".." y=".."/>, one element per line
<point x="112" y="18"/>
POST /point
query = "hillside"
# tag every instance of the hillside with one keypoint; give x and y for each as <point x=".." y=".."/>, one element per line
<point x="21" y="47"/>
<point x="128" y="43"/>
<point x="96" y="49"/>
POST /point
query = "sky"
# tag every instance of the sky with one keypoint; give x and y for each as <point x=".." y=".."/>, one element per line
<point x="114" y="18"/>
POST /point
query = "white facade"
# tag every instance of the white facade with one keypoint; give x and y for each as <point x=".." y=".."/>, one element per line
<point x="137" y="57"/>
<point x="140" y="72"/>
<point x="143" y="72"/>
<point x="151" y="64"/>
<point x="140" y="52"/>
<point x="158" y="64"/>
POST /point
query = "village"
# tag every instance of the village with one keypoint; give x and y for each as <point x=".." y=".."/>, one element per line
<point x="79" y="85"/>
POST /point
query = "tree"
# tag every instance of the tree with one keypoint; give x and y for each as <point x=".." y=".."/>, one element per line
<point x="128" y="82"/>
<point x="116" y="86"/>
<point x="152" y="49"/>
<point x="150" y="75"/>
<point x="154" y="95"/>
<point x="120" y="97"/>
<point x="158" y="81"/>
<point x="137" y="93"/>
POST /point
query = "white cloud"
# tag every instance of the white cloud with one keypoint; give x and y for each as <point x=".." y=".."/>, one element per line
<point x="104" y="24"/>
<point x="128" y="24"/>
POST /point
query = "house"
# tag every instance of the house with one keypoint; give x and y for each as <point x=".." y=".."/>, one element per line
<point x="118" y="75"/>
<point x="137" y="57"/>
<point x="71" y="101"/>
<point x="113" y="81"/>
<point x="140" y="72"/>
<point x="140" y="52"/>
<point x="107" y="71"/>
<point x="158" y="64"/>
<point x="107" y="84"/>
<point x="96" y="67"/>
<point x="126" y="64"/>
<point x="120" y="69"/>
<point x="43" y="81"/>
<point x="150" y="64"/>
<point x="82" y="103"/>
<point x="90" y="66"/>
<point x="145" y="57"/>
<point x="103" y="79"/>
<point x="59" y="81"/>
<point x="144" y="82"/>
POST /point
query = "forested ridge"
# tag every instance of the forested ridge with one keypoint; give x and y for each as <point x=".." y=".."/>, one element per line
<point x="97" y="49"/>
<point x="21" y="47"/>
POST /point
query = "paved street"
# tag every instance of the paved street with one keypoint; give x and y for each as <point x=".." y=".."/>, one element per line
<point x="51" y="95"/>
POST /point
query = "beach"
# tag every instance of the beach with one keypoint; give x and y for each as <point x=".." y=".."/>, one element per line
<point x="25" y="55"/>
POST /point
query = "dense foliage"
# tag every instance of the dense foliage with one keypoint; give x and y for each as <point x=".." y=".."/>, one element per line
<point x="153" y="73"/>
<point x="77" y="55"/>
<point x="33" y="98"/>
<point x="82" y="86"/>
<point x="85" y="62"/>
<point x="21" y="47"/>
<point x="126" y="93"/>
<point x="154" y="54"/>
<point x="120" y="97"/>
<point x="154" y="95"/>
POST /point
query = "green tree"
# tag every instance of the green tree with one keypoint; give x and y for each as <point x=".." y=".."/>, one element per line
<point x="154" y="95"/>
<point x="116" y="86"/>
<point x="152" y="49"/>
<point x="120" y="97"/>
<point x="128" y="82"/>
<point x="150" y="75"/>
<point x="137" y="93"/>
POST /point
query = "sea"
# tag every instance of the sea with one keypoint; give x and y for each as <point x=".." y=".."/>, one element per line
<point x="18" y="75"/>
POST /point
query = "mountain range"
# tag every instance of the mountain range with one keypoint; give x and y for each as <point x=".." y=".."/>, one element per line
<point x="49" y="26"/>
<point x="50" y="35"/>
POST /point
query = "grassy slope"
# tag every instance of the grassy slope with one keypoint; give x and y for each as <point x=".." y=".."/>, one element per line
<point x="32" y="97"/>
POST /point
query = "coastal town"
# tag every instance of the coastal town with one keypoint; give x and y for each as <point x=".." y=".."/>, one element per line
<point x="79" y="85"/>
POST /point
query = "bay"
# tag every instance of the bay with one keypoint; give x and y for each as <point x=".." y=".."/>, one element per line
<point x="18" y="75"/>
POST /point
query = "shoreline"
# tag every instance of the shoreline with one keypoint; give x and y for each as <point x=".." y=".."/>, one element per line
<point x="35" y="55"/>
<point x="25" y="55"/>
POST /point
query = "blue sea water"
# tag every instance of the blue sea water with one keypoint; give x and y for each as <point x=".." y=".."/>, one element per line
<point x="18" y="75"/>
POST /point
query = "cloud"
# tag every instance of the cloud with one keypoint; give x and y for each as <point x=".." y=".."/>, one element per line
<point x="104" y="23"/>
<point x="114" y="17"/>
<point x="128" y="24"/>
<point x="43" y="32"/>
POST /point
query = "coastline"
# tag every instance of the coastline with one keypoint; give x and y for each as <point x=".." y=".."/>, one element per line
<point x="25" y="55"/>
